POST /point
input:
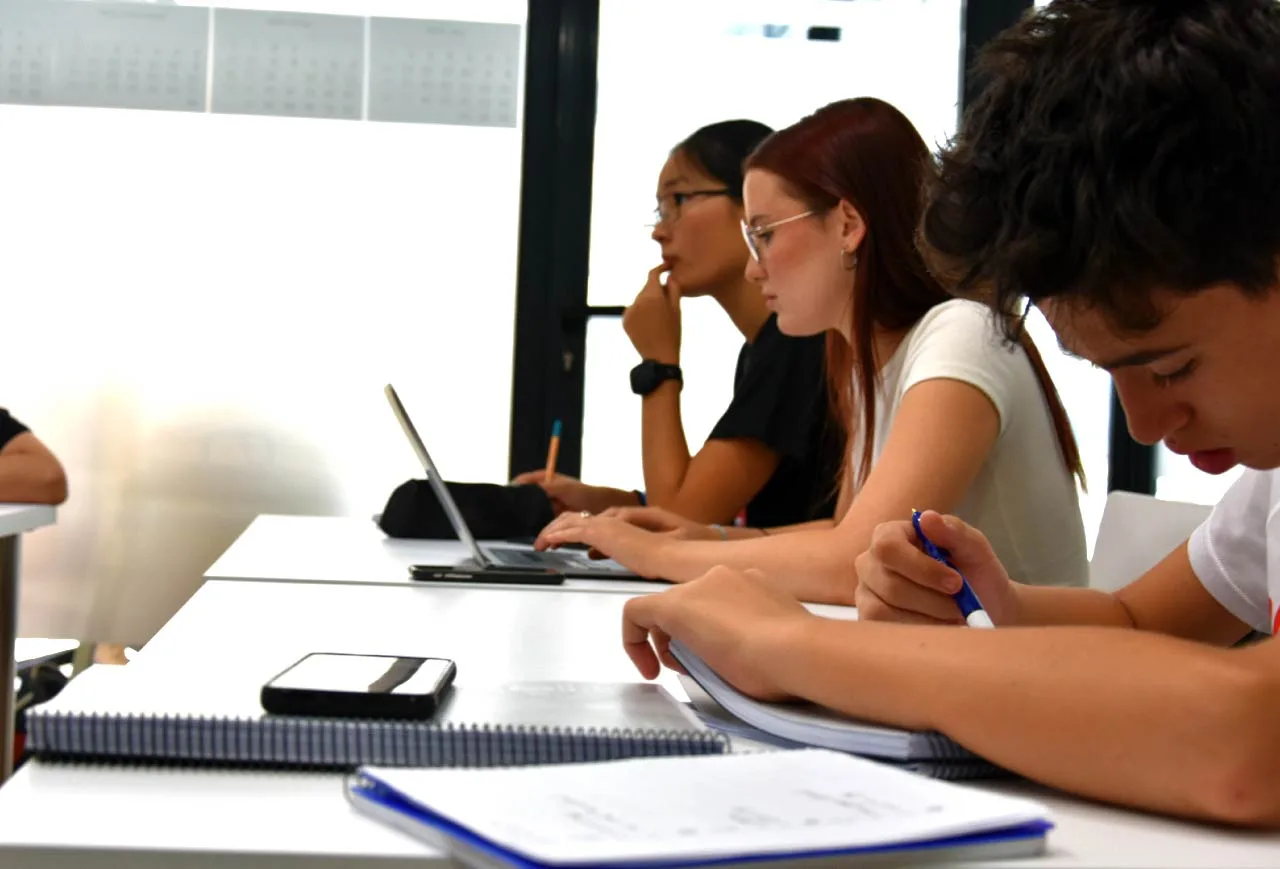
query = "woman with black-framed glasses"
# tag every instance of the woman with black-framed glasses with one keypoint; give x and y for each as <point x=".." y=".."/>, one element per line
<point x="771" y="456"/>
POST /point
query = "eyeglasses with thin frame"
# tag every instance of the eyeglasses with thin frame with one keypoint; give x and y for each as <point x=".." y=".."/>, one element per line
<point x="669" y="214"/>
<point x="757" y="237"/>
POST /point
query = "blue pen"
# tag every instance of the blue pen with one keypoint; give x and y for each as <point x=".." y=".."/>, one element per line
<point x="968" y="602"/>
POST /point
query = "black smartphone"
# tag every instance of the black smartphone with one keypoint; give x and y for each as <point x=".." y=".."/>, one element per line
<point x="489" y="575"/>
<point x="334" y="685"/>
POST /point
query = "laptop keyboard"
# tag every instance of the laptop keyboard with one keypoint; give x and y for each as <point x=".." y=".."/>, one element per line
<point x="523" y="558"/>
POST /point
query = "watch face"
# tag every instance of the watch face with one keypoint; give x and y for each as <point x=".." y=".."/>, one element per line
<point x="649" y="375"/>
<point x="643" y="380"/>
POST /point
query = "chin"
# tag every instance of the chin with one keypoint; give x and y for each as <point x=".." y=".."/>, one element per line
<point x="796" y="327"/>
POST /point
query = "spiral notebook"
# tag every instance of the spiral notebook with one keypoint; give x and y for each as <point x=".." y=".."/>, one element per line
<point x="113" y="714"/>
<point x="804" y="724"/>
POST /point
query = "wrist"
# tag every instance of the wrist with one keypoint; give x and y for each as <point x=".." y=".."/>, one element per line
<point x="777" y="650"/>
<point x="665" y="392"/>
<point x="1011" y="611"/>
<point x="605" y="497"/>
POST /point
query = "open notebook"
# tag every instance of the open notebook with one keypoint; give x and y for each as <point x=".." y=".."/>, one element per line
<point x="767" y="809"/>
<point x="804" y="724"/>
<point x="124" y="713"/>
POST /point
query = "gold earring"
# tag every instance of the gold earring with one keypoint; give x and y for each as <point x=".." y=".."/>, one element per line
<point x="852" y="262"/>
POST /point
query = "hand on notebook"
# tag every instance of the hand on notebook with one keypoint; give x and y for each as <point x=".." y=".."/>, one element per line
<point x="898" y="582"/>
<point x="734" y="621"/>
<point x="609" y="536"/>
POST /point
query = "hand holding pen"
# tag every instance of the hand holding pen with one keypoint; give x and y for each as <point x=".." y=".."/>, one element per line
<point x="970" y="606"/>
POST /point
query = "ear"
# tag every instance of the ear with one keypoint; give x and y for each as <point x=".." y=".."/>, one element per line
<point x="851" y="226"/>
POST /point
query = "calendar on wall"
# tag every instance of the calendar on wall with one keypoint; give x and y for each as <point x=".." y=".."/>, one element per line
<point x="28" y="37"/>
<point x="111" y="54"/>
<point x="443" y="72"/>
<point x="131" y="56"/>
<point x="290" y="64"/>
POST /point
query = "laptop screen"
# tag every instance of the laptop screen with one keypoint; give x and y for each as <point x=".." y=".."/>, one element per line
<point x="433" y="477"/>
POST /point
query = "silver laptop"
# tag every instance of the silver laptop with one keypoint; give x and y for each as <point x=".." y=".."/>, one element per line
<point x="568" y="563"/>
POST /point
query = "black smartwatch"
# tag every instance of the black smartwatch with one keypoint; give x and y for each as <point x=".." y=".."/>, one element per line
<point x="649" y="375"/>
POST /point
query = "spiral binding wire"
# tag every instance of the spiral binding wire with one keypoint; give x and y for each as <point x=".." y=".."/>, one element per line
<point x="292" y="741"/>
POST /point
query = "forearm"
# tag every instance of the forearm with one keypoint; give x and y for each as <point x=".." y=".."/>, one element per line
<point x="1118" y="715"/>
<point x="734" y="533"/>
<point x="812" y="565"/>
<point x="665" y="450"/>
<point x="32" y="479"/>
<point x="1046" y="606"/>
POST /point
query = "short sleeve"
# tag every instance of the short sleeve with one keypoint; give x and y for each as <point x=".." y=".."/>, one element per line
<point x="1229" y="550"/>
<point x="10" y="428"/>
<point x="960" y="340"/>
<point x="779" y="392"/>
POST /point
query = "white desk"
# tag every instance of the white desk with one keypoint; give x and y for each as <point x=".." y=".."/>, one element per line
<point x="15" y="520"/>
<point x="251" y="631"/>
<point x="239" y="634"/>
<point x="251" y="820"/>
<point x="344" y="549"/>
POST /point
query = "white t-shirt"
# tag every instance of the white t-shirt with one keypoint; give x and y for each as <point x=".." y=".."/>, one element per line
<point x="1024" y="498"/>
<point x="1232" y="555"/>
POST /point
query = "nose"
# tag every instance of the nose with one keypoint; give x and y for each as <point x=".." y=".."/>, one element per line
<point x="754" y="272"/>
<point x="660" y="232"/>
<point x="1152" y="413"/>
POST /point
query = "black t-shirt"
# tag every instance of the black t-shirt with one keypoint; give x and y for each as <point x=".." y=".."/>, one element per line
<point x="780" y="399"/>
<point x="10" y="428"/>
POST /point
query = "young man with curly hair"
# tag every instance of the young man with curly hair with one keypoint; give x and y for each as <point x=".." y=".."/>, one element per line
<point x="1121" y="172"/>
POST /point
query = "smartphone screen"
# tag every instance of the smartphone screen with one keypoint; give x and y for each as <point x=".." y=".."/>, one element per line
<point x="364" y="674"/>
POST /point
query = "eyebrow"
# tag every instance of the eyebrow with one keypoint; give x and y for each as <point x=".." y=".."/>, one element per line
<point x="672" y="182"/>
<point x="1141" y="357"/>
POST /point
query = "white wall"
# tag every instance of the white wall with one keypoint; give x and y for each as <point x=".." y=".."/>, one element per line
<point x="202" y="310"/>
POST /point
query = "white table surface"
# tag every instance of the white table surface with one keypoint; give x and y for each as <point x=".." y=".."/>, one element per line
<point x="21" y="518"/>
<point x="62" y="816"/>
<point x="347" y="549"/>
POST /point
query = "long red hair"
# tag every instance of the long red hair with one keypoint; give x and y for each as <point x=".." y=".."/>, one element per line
<point x="865" y="152"/>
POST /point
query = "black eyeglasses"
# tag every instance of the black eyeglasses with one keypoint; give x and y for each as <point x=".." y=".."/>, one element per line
<point x="670" y="205"/>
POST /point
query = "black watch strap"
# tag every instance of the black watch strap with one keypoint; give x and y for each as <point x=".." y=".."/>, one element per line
<point x="650" y="374"/>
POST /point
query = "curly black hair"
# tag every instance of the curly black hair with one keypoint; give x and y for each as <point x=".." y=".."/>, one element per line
<point x="1119" y="148"/>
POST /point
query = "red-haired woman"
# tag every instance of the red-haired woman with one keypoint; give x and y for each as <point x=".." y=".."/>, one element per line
<point x="939" y="410"/>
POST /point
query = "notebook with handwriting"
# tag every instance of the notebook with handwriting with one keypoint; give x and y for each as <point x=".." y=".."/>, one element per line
<point x="127" y="714"/>
<point x="809" y="725"/>
<point x="767" y="808"/>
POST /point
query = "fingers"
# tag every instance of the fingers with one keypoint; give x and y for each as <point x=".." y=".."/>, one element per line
<point x="648" y="518"/>
<point x="672" y="291"/>
<point x="662" y="643"/>
<point x="639" y="620"/>
<point x="895" y="553"/>
<point x="873" y="608"/>
<point x="549" y="536"/>
<point x="529" y="477"/>
<point x="902" y="595"/>
<point x="963" y="541"/>
<point x="653" y="283"/>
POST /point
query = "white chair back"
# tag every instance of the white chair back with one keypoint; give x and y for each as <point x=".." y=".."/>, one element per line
<point x="1136" y="533"/>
